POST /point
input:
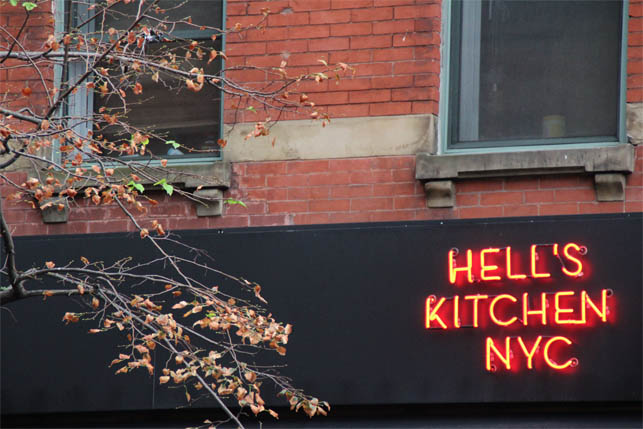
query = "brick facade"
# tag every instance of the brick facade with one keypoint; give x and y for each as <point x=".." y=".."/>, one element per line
<point x="14" y="76"/>
<point x="395" y="47"/>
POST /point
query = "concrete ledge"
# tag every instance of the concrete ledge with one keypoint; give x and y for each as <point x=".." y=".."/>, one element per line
<point x="611" y="159"/>
<point x="215" y="174"/>
<point x="212" y="175"/>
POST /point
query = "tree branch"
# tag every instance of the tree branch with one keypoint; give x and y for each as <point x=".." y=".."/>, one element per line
<point x="17" y="288"/>
<point x="20" y="116"/>
<point x="7" y="298"/>
<point x="15" y="40"/>
<point x="89" y="71"/>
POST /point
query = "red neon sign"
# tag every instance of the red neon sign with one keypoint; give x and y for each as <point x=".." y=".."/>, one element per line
<point x="503" y="351"/>
<point x="528" y="308"/>
<point x="511" y="275"/>
<point x="548" y="311"/>
<point x="492" y="314"/>
<point x="465" y="268"/>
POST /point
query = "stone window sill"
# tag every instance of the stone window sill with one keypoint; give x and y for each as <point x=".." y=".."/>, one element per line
<point x="609" y="164"/>
<point x="212" y="177"/>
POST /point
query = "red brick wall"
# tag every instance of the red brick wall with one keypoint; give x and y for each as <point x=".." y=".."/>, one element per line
<point x="394" y="44"/>
<point x="344" y="190"/>
<point x="14" y="79"/>
<point x="635" y="53"/>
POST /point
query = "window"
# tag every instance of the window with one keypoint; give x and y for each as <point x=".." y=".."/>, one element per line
<point x="165" y="110"/>
<point x="531" y="87"/>
<point x="526" y="73"/>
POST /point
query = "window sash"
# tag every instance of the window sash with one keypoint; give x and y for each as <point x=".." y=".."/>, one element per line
<point x="82" y="102"/>
<point x="455" y="32"/>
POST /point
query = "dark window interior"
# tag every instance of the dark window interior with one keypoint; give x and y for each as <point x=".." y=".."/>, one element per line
<point x="545" y="70"/>
<point x="167" y="109"/>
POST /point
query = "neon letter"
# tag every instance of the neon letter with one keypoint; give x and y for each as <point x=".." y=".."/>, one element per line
<point x="456" y="311"/>
<point x="453" y="271"/>
<point x="475" y="299"/>
<point x="529" y="354"/>
<point x="579" y="265"/>
<point x="534" y="274"/>
<point x="550" y="362"/>
<point x="509" y="274"/>
<point x="543" y="307"/>
<point x="493" y="315"/>
<point x="504" y="359"/>
<point x="431" y="314"/>
<point x="602" y="313"/>
<point x="558" y="311"/>
<point x="484" y="268"/>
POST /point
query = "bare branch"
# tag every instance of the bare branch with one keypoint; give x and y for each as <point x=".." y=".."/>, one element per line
<point x="17" y="288"/>
<point x="15" y="40"/>
<point x="22" y="117"/>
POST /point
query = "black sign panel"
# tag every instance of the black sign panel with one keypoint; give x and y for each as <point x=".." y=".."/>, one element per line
<point x="357" y="297"/>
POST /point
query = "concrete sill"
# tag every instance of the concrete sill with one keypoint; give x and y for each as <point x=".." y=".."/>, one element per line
<point x="609" y="165"/>
<point x="209" y="175"/>
<point x="212" y="177"/>
<point x="610" y="159"/>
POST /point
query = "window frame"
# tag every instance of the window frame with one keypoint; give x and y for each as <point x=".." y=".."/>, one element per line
<point x="82" y="100"/>
<point x="450" y="68"/>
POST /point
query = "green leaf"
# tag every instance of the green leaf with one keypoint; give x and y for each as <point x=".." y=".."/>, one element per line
<point x="232" y="202"/>
<point x="174" y="144"/>
<point x="145" y="142"/>
<point x="252" y="109"/>
<point x="13" y="2"/>
<point x="136" y="186"/>
<point x="168" y="188"/>
<point x="29" y="5"/>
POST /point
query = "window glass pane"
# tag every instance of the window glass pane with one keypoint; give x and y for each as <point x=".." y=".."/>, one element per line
<point x="199" y="12"/>
<point x="166" y="109"/>
<point x="537" y="70"/>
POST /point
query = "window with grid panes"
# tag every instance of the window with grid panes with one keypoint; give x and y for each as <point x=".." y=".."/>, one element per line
<point x="165" y="110"/>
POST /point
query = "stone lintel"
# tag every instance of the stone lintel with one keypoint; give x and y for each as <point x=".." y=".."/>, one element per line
<point x="635" y="123"/>
<point x="342" y="138"/>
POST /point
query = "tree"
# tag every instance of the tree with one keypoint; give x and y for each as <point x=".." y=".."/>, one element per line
<point x="118" y="52"/>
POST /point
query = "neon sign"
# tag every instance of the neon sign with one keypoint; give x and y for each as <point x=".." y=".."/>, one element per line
<point x="513" y="310"/>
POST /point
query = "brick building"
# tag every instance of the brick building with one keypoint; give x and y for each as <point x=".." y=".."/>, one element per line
<point x="385" y="120"/>
<point x="452" y="113"/>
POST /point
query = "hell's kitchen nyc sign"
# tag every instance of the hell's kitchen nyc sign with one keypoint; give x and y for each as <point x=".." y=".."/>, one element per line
<point x="522" y="290"/>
